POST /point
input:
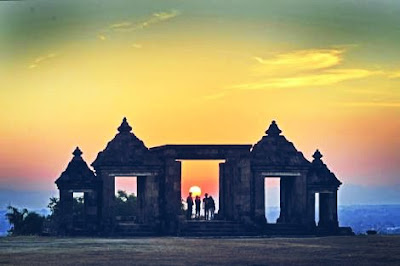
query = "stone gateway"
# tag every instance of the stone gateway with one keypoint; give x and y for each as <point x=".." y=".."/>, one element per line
<point x="241" y="188"/>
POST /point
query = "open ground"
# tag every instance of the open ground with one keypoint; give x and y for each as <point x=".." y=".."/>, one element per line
<point x="355" y="250"/>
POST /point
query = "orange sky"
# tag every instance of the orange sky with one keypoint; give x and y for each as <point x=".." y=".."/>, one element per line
<point x="186" y="72"/>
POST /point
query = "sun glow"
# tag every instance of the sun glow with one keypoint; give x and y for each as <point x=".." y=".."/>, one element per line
<point x="195" y="190"/>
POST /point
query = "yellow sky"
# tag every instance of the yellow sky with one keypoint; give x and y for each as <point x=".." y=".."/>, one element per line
<point x="183" y="80"/>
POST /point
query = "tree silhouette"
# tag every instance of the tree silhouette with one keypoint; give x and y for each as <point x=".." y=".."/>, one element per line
<point x="125" y="205"/>
<point x="24" y="222"/>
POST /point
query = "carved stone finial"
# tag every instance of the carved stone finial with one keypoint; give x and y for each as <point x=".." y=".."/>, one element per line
<point x="124" y="127"/>
<point x="273" y="129"/>
<point x="77" y="152"/>
<point x="317" y="155"/>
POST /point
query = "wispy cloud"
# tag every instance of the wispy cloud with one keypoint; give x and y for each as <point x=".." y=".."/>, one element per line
<point x="394" y="74"/>
<point x="371" y="104"/>
<point x="130" y="25"/>
<point x="137" y="45"/>
<point x="304" y="68"/>
<point x="155" y="18"/>
<point x="301" y="60"/>
<point x="102" y="37"/>
<point x="327" y="77"/>
<point x="39" y="60"/>
<point x="215" y="96"/>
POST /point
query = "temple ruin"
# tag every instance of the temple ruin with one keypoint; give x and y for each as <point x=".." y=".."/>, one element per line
<point x="241" y="188"/>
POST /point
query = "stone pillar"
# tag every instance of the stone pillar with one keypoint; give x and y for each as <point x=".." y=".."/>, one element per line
<point x="310" y="213"/>
<point x="221" y="211"/>
<point x="141" y="192"/>
<point x="334" y="209"/>
<point x="328" y="210"/>
<point x="152" y="201"/>
<point x="66" y="210"/>
<point x="259" y="199"/>
<point x="171" y="204"/>
<point x="283" y="201"/>
<point x="296" y="200"/>
<point x="229" y="202"/>
<point x="107" y="201"/>
<point x="91" y="210"/>
<point x="323" y="210"/>
<point x="243" y="189"/>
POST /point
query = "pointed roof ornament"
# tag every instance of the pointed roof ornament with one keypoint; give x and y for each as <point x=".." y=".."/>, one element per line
<point x="124" y="127"/>
<point x="77" y="152"/>
<point x="77" y="174"/>
<point x="273" y="129"/>
<point x="317" y="155"/>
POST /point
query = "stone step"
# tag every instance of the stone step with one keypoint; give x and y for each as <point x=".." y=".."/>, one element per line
<point x="217" y="234"/>
<point x="135" y="234"/>
<point x="286" y="229"/>
<point x="133" y="229"/>
<point x="214" y="228"/>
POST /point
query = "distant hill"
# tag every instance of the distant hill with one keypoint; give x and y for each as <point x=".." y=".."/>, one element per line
<point x="383" y="218"/>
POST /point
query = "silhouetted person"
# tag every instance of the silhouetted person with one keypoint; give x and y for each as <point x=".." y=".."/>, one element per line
<point x="189" y="202"/>
<point x="197" y="202"/>
<point x="211" y="205"/>
<point x="206" y="206"/>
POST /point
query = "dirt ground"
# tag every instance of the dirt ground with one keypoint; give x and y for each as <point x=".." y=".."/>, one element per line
<point x="352" y="250"/>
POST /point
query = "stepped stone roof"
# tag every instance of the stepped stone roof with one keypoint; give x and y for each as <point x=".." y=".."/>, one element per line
<point x="275" y="150"/>
<point x="77" y="174"/>
<point x="319" y="175"/>
<point x="125" y="149"/>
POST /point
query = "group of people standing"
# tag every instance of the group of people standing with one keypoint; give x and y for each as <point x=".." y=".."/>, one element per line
<point x="208" y="205"/>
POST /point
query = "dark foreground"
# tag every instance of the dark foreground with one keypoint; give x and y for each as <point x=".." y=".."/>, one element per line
<point x="355" y="250"/>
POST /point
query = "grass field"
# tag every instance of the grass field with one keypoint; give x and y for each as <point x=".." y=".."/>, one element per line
<point x="355" y="250"/>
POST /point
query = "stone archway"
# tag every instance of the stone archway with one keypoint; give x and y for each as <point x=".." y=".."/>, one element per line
<point x="241" y="181"/>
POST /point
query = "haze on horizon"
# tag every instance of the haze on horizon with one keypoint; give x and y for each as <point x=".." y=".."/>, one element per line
<point x="199" y="72"/>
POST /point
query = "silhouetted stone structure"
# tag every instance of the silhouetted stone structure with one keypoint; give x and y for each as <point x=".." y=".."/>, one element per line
<point x="241" y="185"/>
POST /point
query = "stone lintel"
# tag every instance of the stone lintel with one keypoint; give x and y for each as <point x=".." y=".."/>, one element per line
<point x="322" y="189"/>
<point x="202" y="151"/>
<point x="132" y="174"/>
<point x="77" y="190"/>
<point x="280" y="174"/>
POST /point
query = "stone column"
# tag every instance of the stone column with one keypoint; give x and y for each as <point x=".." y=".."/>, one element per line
<point x="141" y="192"/>
<point x="310" y="213"/>
<point x="323" y="212"/>
<point x="152" y="200"/>
<point x="259" y="199"/>
<point x="91" y="212"/>
<point x="171" y="205"/>
<point x="228" y="200"/>
<point x="107" y="202"/>
<point x="221" y="212"/>
<point x="328" y="210"/>
<point x="66" y="210"/>
<point x="243" y="188"/>
<point x="334" y="209"/>
<point x="296" y="199"/>
<point x="283" y="201"/>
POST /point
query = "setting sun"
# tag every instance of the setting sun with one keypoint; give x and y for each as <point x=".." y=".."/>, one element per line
<point x="195" y="190"/>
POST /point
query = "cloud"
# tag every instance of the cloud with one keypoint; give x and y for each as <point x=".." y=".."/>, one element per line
<point x="137" y="45"/>
<point x="371" y="104"/>
<point x="39" y="60"/>
<point x="393" y="74"/>
<point x="155" y="18"/>
<point x="305" y="68"/>
<point x="324" y="78"/>
<point x="215" y="96"/>
<point x="301" y="60"/>
<point x="102" y="37"/>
